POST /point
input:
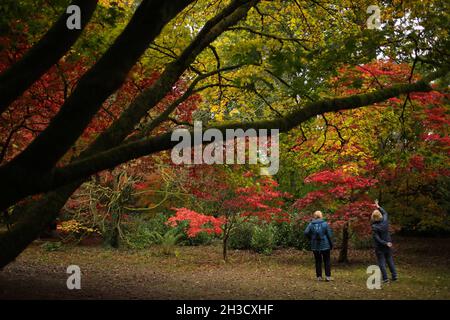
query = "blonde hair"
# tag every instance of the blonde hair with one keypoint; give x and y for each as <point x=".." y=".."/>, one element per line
<point x="318" y="214"/>
<point x="376" y="216"/>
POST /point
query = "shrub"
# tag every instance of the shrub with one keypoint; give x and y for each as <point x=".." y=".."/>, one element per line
<point x="290" y="235"/>
<point x="263" y="239"/>
<point x="158" y="223"/>
<point x="241" y="236"/>
<point x="298" y="238"/>
<point x="168" y="240"/>
<point x="283" y="234"/>
<point x="141" y="234"/>
<point x="202" y="238"/>
<point x="196" y="222"/>
<point x="51" y="246"/>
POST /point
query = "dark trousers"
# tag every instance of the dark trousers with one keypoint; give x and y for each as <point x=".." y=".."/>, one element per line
<point x="318" y="257"/>
<point x="385" y="256"/>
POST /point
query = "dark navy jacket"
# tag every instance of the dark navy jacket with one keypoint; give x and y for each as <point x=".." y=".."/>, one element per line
<point x="321" y="241"/>
<point x="380" y="231"/>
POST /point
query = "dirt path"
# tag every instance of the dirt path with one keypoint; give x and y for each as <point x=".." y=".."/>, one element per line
<point x="199" y="273"/>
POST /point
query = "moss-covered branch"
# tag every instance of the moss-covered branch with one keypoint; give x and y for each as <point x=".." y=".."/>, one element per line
<point x="135" y="149"/>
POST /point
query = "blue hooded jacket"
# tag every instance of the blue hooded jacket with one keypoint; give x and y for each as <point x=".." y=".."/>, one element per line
<point x="380" y="231"/>
<point x="319" y="232"/>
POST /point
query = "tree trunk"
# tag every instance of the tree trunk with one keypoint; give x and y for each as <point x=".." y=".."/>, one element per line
<point x="343" y="254"/>
<point x="35" y="216"/>
<point x="114" y="240"/>
<point x="226" y="235"/>
<point x="114" y="236"/>
<point x="225" y="246"/>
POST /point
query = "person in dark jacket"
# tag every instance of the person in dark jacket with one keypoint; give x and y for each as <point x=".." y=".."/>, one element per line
<point x="382" y="242"/>
<point x="319" y="232"/>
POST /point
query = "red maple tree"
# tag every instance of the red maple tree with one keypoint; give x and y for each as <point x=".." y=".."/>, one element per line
<point x="342" y="195"/>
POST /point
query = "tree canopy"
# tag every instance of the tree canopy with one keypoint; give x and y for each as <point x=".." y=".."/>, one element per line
<point x="353" y="103"/>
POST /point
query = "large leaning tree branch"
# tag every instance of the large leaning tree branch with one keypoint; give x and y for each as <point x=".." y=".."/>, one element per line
<point x="44" y="54"/>
<point x="132" y="150"/>
<point x="36" y="214"/>
<point x="135" y="149"/>
<point x="96" y="85"/>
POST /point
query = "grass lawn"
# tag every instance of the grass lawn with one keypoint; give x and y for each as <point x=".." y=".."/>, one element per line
<point x="199" y="273"/>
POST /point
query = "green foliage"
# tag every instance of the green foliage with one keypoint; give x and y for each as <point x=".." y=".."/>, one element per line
<point x="283" y="234"/>
<point x="263" y="239"/>
<point x="51" y="246"/>
<point x="158" y="223"/>
<point x="167" y="240"/>
<point x="202" y="238"/>
<point x="290" y="235"/>
<point x="139" y="237"/>
<point x="248" y="235"/>
<point x="420" y="215"/>
<point x="141" y="234"/>
<point x="35" y="15"/>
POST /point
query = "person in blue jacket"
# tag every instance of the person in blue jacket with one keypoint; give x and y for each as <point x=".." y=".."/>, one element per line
<point x="320" y="234"/>
<point x="382" y="242"/>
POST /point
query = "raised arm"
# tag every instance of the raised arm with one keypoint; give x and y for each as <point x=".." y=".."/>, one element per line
<point x="383" y="212"/>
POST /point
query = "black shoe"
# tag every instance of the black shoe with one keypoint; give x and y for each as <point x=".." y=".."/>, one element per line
<point x="394" y="279"/>
<point x="386" y="281"/>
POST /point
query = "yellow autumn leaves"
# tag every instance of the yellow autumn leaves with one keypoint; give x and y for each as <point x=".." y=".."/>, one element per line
<point x="220" y="111"/>
<point x="73" y="226"/>
<point x="118" y="3"/>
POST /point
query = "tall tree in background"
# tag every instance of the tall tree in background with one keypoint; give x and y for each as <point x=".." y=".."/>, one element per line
<point x="402" y="143"/>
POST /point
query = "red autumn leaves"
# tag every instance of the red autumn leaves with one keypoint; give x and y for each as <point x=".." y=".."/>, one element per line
<point x="344" y="193"/>
<point x="197" y="222"/>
